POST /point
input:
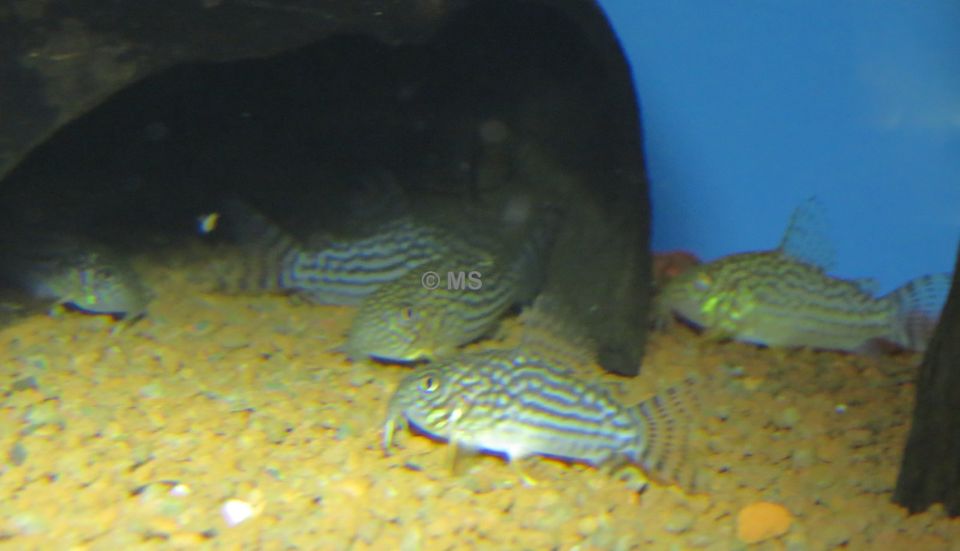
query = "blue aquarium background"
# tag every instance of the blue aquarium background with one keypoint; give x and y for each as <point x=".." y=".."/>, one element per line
<point x="751" y="106"/>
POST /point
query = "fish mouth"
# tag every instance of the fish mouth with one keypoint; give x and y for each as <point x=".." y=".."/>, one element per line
<point x="685" y="317"/>
<point x="356" y="352"/>
<point x="392" y="360"/>
<point x="687" y="311"/>
<point x="403" y="355"/>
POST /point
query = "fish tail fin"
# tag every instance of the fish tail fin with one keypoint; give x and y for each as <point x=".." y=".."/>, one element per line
<point x="663" y="441"/>
<point x="263" y="251"/>
<point x="918" y="304"/>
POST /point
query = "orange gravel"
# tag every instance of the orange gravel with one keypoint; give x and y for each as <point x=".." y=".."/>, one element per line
<point x="141" y="437"/>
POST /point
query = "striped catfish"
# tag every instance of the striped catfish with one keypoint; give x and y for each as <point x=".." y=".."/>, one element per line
<point x="518" y="404"/>
<point x="784" y="297"/>
<point x="414" y="318"/>
<point x="329" y="271"/>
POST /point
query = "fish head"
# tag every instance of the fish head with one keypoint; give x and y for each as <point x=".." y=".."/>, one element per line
<point x="715" y="296"/>
<point x="395" y="324"/>
<point x="427" y="399"/>
<point x="109" y="289"/>
<point x="688" y="296"/>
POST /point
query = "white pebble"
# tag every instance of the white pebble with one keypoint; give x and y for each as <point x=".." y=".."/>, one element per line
<point x="180" y="490"/>
<point x="235" y="511"/>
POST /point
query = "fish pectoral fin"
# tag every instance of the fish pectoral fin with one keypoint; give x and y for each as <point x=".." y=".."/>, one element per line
<point x="453" y="457"/>
<point x="119" y="328"/>
<point x="57" y="310"/>
<point x="631" y="475"/>
<point x="458" y="456"/>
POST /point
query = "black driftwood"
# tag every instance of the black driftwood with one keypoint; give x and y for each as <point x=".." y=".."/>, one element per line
<point x="930" y="471"/>
<point x="63" y="60"/>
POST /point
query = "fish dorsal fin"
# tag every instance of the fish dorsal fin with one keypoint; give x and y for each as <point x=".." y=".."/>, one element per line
<point x="550" y="330"/>
<point x="806" y="237"/>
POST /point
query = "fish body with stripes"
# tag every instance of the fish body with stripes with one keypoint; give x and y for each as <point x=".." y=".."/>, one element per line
<point x="400" y="318"/>
<point x="412" y="318"/>
<point x="330" y="271"/>
<point x="519" y="404"/>
<point x="785" y="298"/>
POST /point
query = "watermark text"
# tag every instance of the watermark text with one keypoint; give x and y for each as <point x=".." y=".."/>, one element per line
<point x="452" y="281"/>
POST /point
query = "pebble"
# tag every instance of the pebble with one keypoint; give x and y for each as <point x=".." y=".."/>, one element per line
<point x="587" y="525"/>
<point x="761" y="521"/>
<point x="18" y="454"/>
<point x="412" y="540"/>
<point x="680" y="520"/>
<point x="29" y="382"/>
<point x="187" y="449"/>
<point x="860" y="437"/>
<point x="235" y="511"/>
<point x="803" y="458"/>
<point x="788" y="418"/>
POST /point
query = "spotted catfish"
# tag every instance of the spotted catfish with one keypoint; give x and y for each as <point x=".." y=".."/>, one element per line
<point x="784" y="297"/>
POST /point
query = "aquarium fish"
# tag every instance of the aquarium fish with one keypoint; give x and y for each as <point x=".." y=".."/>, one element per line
<point x="73" y="271"/>
<point x="784" y="297"/>
<point x="518" y="404"/>
<point x="329" y="270"/>
<point x="453" y="300"/>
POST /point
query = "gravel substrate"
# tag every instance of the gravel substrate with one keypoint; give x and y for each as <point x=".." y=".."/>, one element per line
<point x="231" y="422"/>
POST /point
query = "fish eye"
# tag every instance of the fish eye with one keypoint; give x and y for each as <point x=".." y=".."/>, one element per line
<point x="407" y="313"/>
<point x="429" y="384"/>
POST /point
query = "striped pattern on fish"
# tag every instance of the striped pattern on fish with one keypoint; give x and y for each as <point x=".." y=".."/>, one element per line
<point x="784" y="297"/>
<point x="340" y="272"/>
<point x="407" y="321"/>
<point x="518" y="404"/>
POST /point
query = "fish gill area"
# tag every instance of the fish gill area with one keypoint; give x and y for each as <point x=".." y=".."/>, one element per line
<point x="228" y="422"/>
